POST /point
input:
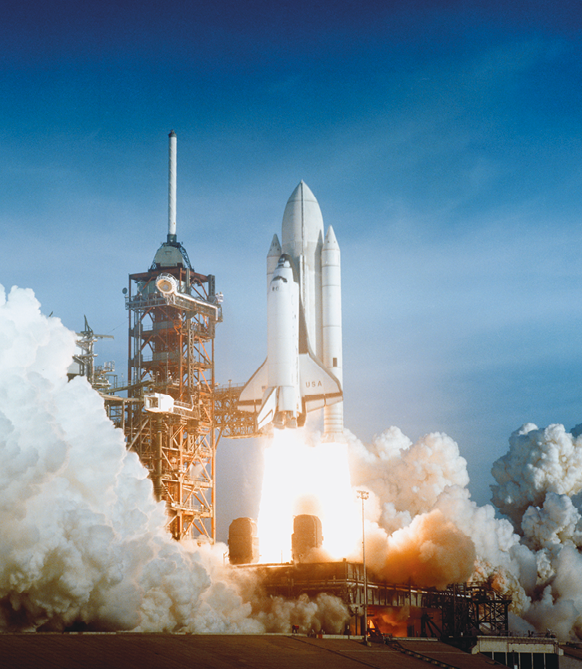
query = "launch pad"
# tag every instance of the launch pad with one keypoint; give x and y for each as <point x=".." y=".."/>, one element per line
<point x="175" y="414"/>
<point x="396" y="610"/>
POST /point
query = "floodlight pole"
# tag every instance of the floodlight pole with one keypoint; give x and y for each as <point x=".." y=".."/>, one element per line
<point x="363" y="495"/>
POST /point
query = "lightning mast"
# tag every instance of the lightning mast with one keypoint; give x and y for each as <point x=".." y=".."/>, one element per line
<point x="173" y="311"/>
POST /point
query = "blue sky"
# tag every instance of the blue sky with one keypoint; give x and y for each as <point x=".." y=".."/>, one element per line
<point x="443" y="142"/>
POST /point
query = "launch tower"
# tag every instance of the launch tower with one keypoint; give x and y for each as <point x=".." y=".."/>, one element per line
<point x="173" y="311"/>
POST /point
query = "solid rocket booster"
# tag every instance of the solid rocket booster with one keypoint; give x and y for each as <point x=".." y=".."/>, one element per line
<point x="172" y="183"/>
<point x="331" y="324"/>
<point x="303" y="369"/>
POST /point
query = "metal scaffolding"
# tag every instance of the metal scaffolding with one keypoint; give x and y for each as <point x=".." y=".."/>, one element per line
<point x="100" y="377"/>
<point x="457" y="611"/>
<point x="171" y="426"/>
<point x="230" y="422"/>
<point x="471" y="609"/>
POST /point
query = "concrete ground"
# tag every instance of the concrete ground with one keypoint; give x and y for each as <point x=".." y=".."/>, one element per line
<point x="170" y="651"/>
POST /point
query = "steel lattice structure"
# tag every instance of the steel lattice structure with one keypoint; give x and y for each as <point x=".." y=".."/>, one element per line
<point x="171" y="355"/>
<point x="459" y="611"/>
<point x="230" y="422"/>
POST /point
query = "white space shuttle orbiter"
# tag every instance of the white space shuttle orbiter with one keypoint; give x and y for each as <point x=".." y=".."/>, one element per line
<point x="303" y="369"/>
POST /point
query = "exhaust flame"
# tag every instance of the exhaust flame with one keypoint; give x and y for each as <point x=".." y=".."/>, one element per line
<point x="306" y="478"/>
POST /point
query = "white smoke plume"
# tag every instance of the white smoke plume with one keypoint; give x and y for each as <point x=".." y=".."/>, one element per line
<point x="539" y="484"/>
<point x="538" y="462"/>
<point x="422" y="524"/>
<point x="82" y="541"/>
<point x="534" y="554"/>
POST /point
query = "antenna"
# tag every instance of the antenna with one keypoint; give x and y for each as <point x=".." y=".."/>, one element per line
<point x="172" y="187"/>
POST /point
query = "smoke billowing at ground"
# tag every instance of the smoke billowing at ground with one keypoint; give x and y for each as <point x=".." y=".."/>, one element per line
<point x="427" y="528"/>
<point x="82" y="540"/>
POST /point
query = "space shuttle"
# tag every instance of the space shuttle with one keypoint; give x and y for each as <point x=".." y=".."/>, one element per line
<point x="303" y="369"/>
